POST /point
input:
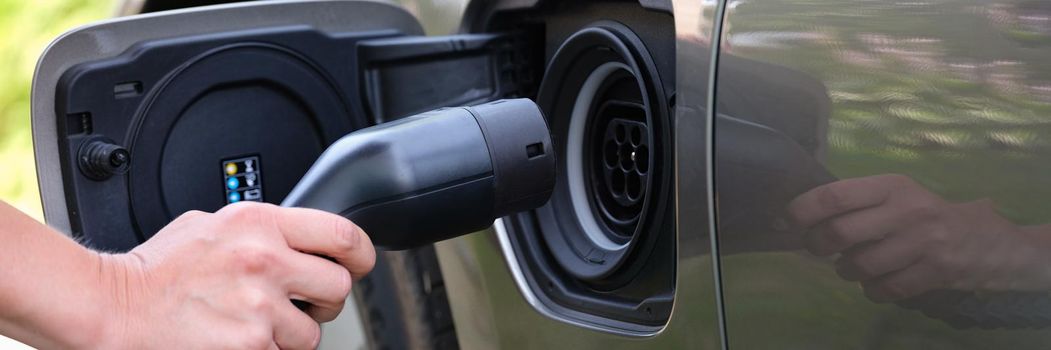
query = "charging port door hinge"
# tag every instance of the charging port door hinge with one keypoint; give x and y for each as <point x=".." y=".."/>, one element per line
<point x="403" y="76"/>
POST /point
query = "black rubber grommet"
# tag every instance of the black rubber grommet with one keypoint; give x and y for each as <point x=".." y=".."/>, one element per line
<point x="100" y="158"/>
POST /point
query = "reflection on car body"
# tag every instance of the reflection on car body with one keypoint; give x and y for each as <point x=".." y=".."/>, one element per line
<point x="936" y="138"/>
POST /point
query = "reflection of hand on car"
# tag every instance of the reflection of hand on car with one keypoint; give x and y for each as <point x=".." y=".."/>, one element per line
<point x="899" y="240"/>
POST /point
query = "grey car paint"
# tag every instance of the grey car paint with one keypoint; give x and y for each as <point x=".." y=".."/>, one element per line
<point x="952" y="94"/>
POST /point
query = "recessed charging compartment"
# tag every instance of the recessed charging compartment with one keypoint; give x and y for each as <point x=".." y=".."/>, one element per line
<point x="186" y="108"/>
<point x="603" y="249"/>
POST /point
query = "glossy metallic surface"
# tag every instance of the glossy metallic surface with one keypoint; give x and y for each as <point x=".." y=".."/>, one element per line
<point x="951" y="97"/>
<point x="491" y="312"/>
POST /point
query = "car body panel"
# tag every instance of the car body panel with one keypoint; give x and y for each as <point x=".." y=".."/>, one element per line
<point x="953" y="94"/>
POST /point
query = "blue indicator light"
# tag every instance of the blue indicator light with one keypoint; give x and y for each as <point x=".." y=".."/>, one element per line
<point x="232" y="183"/>
<point x="234" y="197"/>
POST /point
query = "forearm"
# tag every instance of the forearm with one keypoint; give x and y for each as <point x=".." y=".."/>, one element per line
<point x="50" y="295"/>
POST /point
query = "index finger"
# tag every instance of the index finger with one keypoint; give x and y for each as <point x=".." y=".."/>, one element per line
<point x="322" y="233"/>
<point x="840" y="197"/>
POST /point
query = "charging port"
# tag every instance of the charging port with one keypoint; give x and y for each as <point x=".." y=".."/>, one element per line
<point x="604" y="244"/>
<point x="618" y="168"/>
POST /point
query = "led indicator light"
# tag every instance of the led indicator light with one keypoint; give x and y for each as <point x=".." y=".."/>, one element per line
<point x="242" y="179"/>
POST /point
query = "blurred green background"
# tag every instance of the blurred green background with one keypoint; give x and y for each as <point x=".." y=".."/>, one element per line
<point x="27" y="27"/>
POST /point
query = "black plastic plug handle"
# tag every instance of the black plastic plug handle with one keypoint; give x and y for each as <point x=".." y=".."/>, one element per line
<point x="435" y="175"/>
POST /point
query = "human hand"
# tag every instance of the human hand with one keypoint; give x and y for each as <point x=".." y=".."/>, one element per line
<point x="225" y="280"/>
<point x="899" y="240"/>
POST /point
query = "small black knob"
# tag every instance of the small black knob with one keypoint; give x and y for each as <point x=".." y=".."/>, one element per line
<point x="100" y="159"/>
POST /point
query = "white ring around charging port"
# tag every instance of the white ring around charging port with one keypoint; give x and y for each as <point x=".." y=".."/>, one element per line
<point x="578" y="193"/>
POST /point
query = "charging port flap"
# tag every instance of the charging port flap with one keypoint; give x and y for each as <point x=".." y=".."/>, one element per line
<point x="215" y="105"/>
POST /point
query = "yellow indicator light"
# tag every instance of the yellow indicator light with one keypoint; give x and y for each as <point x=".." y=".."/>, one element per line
<point x="231" y="168"/>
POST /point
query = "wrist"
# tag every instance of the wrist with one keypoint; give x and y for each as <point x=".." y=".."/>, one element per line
<point x="59" y="294"/>
<point x="1033" y="259"/>
<point x="1008" y="257"/>
<point x="101" y="318"/>
<point x="76" y="315"/>
<point x="120" y="286"/>
<point x="89" y="325"/>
